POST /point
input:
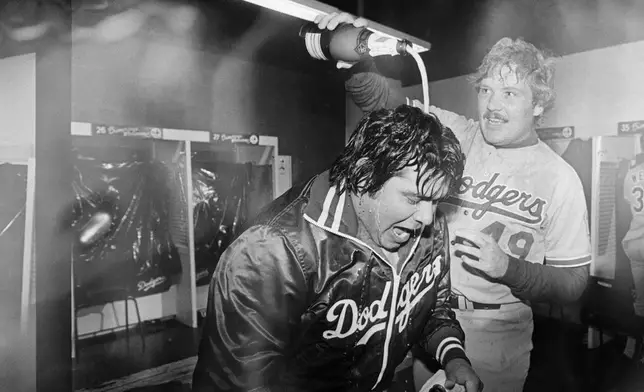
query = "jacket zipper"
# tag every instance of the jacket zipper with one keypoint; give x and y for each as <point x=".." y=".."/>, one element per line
<point x="392" y="311"/>
<point x="394" y="291"/>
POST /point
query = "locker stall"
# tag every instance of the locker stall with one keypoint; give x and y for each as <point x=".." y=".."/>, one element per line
<point x="601" y="163"/>
<point x="596" y="160"/>
<point x="211" y="185"/>
<point x="17" y="194"/>
<point x="17" y="205"/>
<point x="609" y="152"/>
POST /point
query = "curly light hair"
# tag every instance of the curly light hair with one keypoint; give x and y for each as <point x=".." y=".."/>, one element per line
<point x="535" y="66"/>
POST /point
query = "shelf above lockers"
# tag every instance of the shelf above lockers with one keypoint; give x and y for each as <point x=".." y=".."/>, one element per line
<point x="260" y="149"/>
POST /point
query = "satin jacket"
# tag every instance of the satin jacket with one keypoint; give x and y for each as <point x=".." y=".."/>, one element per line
<point x="298" y="303"/>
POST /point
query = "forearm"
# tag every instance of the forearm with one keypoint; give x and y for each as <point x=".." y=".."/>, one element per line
<point x="540" y="283"/>
<point x="369" y="89"/>
<point x="443" y="336"/>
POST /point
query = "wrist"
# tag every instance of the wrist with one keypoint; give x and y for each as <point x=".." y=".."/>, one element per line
<point x="505" y="265"/>
<point x="512" y="272"/>
<point x="455" y="358"/>
<point x="457" y="362"/>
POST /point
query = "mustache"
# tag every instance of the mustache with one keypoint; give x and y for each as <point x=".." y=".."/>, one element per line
<point x="495" y="116"/>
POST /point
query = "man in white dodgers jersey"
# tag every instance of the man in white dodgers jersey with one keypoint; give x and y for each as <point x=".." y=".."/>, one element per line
<point x="519" y="222"/>
<point x="633" y="241"/>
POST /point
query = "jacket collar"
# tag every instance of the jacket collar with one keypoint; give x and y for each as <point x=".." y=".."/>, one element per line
<point x="335" y="213"/>
<point x="332" y="212"/>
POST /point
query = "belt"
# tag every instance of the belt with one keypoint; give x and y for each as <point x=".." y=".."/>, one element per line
<point x="462" y="303"/>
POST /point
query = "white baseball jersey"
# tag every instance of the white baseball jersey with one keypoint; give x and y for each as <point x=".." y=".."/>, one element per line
<point x="634" y="195"/>
<point x="528" y="199"/>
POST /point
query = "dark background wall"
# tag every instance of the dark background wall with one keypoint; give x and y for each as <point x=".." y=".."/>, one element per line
<point x="461" y="31"/>
<point x="217" y="77"/>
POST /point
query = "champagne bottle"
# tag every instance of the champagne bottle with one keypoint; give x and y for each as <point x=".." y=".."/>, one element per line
<point x="349" y="43"/>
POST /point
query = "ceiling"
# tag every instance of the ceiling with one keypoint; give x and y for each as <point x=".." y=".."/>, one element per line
<point x="460" y="31"/>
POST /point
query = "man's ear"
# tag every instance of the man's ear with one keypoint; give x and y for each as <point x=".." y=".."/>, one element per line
<point x="537" y="110"/>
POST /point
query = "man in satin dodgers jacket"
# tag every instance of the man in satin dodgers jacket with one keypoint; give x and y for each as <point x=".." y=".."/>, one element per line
<point x="340" y="277"/>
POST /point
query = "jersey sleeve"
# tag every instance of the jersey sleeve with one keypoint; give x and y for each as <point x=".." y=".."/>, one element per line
<point x="370" y="90"/>
<point x="628" y="186"/>
<point x="464" y="129"/>
<point x="567" y="232"/>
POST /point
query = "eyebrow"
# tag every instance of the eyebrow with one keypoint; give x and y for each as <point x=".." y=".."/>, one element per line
<point x="484" y="83"/>
<point x="513" y="89"/>
<point x="416" y="195"/>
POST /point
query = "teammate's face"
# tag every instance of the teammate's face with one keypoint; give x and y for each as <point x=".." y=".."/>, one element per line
<point x="506" y="111"/>
<point x="399" y="211"/>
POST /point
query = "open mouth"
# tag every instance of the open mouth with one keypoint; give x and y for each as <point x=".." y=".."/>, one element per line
<point x="403" y="234"/>
<point x="495" y="120"/>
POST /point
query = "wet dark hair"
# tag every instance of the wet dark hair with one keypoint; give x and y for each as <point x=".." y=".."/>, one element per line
<point x="388" y="140"/>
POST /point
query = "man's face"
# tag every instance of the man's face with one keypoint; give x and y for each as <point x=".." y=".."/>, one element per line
<point x="399" y="211"/>
<point x="506" y="111"/>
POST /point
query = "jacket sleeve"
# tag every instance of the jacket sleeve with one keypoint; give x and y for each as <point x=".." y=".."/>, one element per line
<point x="443" y="337"/>
<point x="256" y="297"/>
